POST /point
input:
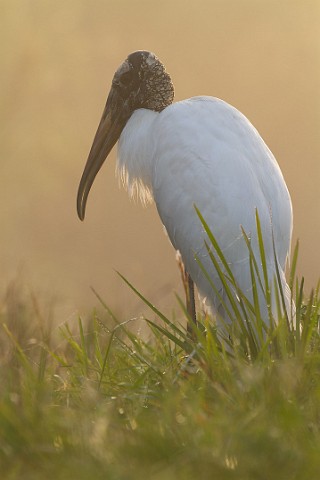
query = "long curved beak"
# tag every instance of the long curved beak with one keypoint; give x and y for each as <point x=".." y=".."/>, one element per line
<point x="113" y="120"/>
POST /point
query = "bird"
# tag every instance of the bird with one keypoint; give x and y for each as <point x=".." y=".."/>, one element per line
<point x="199" y="154"/>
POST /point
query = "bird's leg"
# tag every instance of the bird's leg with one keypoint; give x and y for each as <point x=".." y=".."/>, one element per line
<point x="189" y="291"/>
<point x="191" y="306"/>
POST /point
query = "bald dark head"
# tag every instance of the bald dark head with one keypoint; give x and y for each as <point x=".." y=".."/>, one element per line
<point x="141" y="81"/>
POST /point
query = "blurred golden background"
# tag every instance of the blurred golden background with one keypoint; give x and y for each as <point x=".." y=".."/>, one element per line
<point x="57" y="62"/>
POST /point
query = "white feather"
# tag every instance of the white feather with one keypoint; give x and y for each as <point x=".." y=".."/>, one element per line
<point x="204" y="152"/>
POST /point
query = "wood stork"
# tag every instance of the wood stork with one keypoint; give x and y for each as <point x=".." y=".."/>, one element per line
<point x="200" y="151"/>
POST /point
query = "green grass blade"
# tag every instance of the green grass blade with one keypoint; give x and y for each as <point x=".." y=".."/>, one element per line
<point x="294" y="266"/>
<point x="264" y="269"/>
<point x="153" y="308"/>
<point x="215" y="245"/>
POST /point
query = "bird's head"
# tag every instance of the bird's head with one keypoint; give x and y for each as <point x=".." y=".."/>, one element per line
<point x="140" y="82"/>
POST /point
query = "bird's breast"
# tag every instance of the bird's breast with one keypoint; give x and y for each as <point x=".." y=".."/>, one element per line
<point x="135" y="153"/>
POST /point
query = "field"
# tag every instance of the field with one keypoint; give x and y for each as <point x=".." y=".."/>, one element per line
<point x="100" y="401"/>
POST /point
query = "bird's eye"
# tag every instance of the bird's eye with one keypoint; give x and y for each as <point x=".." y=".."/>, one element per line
<point x="126" y="79"/>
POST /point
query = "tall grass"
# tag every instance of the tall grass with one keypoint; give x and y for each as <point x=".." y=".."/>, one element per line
<point x="96" y="400"/>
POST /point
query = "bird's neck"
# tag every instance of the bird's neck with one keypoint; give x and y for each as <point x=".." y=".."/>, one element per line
<point x="135" y="154"/>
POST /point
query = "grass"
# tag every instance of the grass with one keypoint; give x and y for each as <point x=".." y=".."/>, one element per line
<point x="96" y="400"/>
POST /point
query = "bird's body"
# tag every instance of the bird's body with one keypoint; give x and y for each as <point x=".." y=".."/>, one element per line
<point x="204" y="152"/>
<point x="200" y="152"/>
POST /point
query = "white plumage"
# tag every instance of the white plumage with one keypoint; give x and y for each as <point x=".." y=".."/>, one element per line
<point x="204" y="152"/>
